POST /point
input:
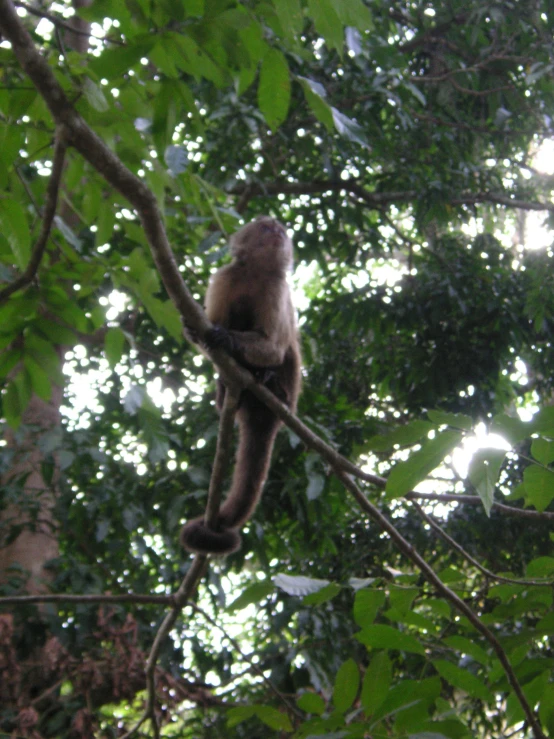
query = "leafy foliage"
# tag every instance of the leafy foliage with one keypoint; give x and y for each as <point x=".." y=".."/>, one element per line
<point x="396" y="141"/>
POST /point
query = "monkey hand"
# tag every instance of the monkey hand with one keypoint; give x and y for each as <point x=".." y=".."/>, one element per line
<point x="190" y="334"/>
<point x="218" y="337"/>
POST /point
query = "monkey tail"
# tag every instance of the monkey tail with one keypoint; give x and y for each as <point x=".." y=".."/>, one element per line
<point x="257" y="430"/>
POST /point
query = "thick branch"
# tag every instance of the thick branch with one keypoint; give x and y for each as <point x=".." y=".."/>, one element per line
<point x="47" y="217"/>
<point x="377" y="200"/>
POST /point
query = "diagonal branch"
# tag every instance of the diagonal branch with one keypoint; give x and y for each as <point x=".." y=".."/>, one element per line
<point x="51" y="204"/>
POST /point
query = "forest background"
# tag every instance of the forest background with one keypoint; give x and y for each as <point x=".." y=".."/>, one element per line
<point x="396" y="579"/>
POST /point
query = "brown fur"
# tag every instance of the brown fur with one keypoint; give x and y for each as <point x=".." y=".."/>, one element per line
<point x="249" y="303"/>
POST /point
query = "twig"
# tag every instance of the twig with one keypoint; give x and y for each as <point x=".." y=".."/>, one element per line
<point x="466" y="555"/>
<point x="222" y="452"/>
<point x="50" y="206"/>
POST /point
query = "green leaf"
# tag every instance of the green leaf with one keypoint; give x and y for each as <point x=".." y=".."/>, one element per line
<point x="269" y="716"/>
<point x="376" y="683"/>
<point x="114" y="341"/>
<point x="467" y="646"/>
<point x="366" y="605"/>
<point x="315" y="94"/>
<point x="381" y="636"/>
<point x="354" y="13"/>
<point x="484" y="470"/>
<point x="273" y="718"/>
<point x="513" y="429"/>
<point x="118" y="60"/>
<point x="40" y="381"/>
<point x="290" y="16"/>
<point x="463" y="679"/>
<point x="456" y="420"/>
<point x="105" y="224"/>
<point x="540" y="567"/>
<point x="44" y="353"/>
<point x="347" y="682"/>
<point x="311" y="703"/>
<point x="546" y="709"/>
<point x="543" y="422"/>
<point x="539" y="486"/>
<point x="406" y="435"/>
<point x="327" y="23"/>
<point x="15" y="227"/>
<point x="543" y="451"/>
<point x="95" y="95"/>
<point x="8" y="360"/>
<point x="11" y="405"/>
<point x="56" y="333"/>
<point x="316" y="483"/>
<point x="349" y="128"/>
<point x="274" y="88"/>
<point x="253" y="594"/>
<point x="322" y="596"/>
<point x="406" y="475"/>
<point x="299" y="585"/>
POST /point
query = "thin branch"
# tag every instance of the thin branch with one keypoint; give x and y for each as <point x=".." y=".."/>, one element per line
<point x="466" y="555"/>
<point x="222" y="453"/>
<point x="476" y="500"/>
<point x="50" y="206"/>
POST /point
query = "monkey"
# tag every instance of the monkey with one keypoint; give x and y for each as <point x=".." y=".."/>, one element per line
<point x="249" y="305"/>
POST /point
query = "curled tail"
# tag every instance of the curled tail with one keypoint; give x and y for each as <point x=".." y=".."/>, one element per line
<point x="257" y="430"/>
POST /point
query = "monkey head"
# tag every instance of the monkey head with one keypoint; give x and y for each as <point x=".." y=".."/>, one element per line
<point x="264" y="240"/>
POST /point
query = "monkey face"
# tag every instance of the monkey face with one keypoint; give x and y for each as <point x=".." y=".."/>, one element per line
<point x="263" y="239"/>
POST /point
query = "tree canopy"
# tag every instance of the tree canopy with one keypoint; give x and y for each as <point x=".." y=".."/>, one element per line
<point x="396" y="578"/>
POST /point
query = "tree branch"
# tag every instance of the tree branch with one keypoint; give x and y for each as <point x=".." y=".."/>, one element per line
<point x="137" y="598"/>
<point x="466" y="555"/>
<point x="50" y="206"/>
<point x="376" y="200"/>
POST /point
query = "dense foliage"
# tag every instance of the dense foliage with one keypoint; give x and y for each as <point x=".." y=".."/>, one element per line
<point x="397" y="142"/>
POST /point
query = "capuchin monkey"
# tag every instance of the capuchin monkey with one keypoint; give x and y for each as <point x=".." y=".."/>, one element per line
<point x="250" y="307"/>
